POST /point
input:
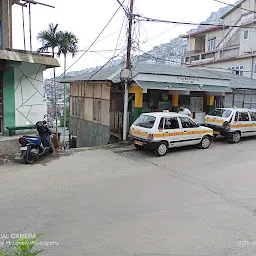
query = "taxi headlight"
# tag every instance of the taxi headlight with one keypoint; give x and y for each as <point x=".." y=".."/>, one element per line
<point x="227" y="126"/>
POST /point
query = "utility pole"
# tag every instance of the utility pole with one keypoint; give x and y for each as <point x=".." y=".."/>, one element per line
<point x="128" y="70"/>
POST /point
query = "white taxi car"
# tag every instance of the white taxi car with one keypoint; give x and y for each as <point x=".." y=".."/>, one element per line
<point x="162" y="130"/>
<point x="233" y="123"/>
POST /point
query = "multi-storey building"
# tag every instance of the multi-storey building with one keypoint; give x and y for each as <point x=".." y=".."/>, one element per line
<point x="227" y="47"/>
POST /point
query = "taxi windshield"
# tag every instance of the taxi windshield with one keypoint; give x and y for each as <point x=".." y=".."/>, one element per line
<point x="225" y="113"/>
<point x="145" y="121"/>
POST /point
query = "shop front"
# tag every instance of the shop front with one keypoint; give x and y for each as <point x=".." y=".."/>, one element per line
<point x="150" y="96"/>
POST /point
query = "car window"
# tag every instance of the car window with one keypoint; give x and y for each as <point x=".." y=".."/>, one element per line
<point x="145" y="121"/>
<point x="253" y="116"/>
<point x="171" y="123"/>
<point x="161" y="124"/>
<point x="244" y="116"/>
<point x="187" y="122"/>
<point x="237" y="116"/>
<point x="225" y="113"/>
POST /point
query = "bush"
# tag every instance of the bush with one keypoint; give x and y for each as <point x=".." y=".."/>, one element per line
<point x="21" y="247"/>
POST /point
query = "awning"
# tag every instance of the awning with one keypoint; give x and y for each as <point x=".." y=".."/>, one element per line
<point x="182" y="86"/>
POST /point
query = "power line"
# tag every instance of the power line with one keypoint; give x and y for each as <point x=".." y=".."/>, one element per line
<point x="143" y="18"/>
<point x="121" y="4"/>
<point x="234" y="5"/>
<point x="103" y="38"/>
<point x="94" y="39"/>
<point x="201" y="65"/>
<point x="160" y="34"/>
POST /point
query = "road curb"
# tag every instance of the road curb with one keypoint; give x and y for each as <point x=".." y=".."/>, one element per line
<point x="116" y="148"/>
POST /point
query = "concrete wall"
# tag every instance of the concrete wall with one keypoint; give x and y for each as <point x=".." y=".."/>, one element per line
<point x="248" y="45"/>
<point x="248" y="5"/>
<point x="233" y="17"/>
<point x="88" y="133"/>
<point x="218" y="34"/>
<point x="223" y="66"/>
<point x="30" y="102"/>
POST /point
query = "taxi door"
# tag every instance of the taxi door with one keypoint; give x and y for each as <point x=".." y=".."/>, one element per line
<point x="191" y="133"/>
<point x="253" y="120"/>
<point x="171" y="131"/>
<point x="242" y="123"/>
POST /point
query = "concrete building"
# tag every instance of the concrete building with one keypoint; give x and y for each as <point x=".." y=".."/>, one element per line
<point x="22" y="95"/>
<point x="231" y="47"/>
<point x="96" y="106"/>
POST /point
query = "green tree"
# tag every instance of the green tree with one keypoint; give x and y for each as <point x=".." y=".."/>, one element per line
<point x="50" y="39"/>
<point x="68" y="44"/>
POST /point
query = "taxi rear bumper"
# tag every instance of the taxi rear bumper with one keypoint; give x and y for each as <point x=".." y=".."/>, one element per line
<point x="144" y="142"/>
<point x="219" y="130"/>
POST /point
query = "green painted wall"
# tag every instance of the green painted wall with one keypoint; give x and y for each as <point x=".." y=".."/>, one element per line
<point x="9" y="99"/>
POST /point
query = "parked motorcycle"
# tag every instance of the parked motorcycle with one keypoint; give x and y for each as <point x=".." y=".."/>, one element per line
<point x="32" y="147"/>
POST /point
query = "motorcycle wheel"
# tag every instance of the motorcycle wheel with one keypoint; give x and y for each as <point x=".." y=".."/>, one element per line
<point x="29" y="158"/>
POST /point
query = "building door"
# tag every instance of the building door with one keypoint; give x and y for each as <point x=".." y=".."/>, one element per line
<point x="1" y="104"/>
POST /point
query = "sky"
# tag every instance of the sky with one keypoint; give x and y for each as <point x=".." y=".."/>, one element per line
<point x="87" y="18"/>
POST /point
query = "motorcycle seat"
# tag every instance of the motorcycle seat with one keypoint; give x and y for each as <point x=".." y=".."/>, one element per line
<point x="26" y="136"/>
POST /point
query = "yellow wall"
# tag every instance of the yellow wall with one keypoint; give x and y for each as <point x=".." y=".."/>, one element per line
<point x="210" y="100"/>
<point x="175" y="100"/>
<point x="138" y="95"/>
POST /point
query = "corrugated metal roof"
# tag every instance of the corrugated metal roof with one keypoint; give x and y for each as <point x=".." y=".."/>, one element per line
<point x="180" y="86"/>
<point x="167" y="85"/>
<point x="215" y="88"/>
<point x="113" y="74"/>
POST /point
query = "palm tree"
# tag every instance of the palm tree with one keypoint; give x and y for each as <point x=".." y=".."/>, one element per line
<point x="68" y="44"/>
<point x="50" y="40"/>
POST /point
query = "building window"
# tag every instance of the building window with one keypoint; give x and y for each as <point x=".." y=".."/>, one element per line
<point x="237" y="70"/>
<point x="211" y="44"/>
<point x="254" y="69"/>
<point x="246" y="34"/>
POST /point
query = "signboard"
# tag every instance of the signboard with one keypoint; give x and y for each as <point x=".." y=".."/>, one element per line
<point x="188" y="80"/>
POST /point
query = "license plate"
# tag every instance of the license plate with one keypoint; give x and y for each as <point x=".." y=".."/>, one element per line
<point x="23" y="148"/>
<point x="216" y="132"/>
<point x="138" y="142"/>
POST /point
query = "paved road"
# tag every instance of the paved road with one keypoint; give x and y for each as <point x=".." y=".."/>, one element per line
<point x="190" y="202"/>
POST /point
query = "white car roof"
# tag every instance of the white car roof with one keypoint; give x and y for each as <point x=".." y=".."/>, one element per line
<point x="163" y="114"/>
<point x="238" y="109"/>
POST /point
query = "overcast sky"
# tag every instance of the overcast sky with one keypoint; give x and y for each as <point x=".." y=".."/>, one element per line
<point x="87" y="18"/>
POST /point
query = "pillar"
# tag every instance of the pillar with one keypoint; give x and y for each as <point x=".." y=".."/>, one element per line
<point x="210" y="103"/>
<point x="9" y="99"/>
<point x="138" y="91"/>
<point x="6" y="23"/>
<point x="175" y="102"/>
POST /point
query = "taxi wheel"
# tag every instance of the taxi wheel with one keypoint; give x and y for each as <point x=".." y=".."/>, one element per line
<point x="205" y="142"/>
<point x="161" y="149"/>
<point x="236" y="137"/>
<point x="138" y="147"/>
